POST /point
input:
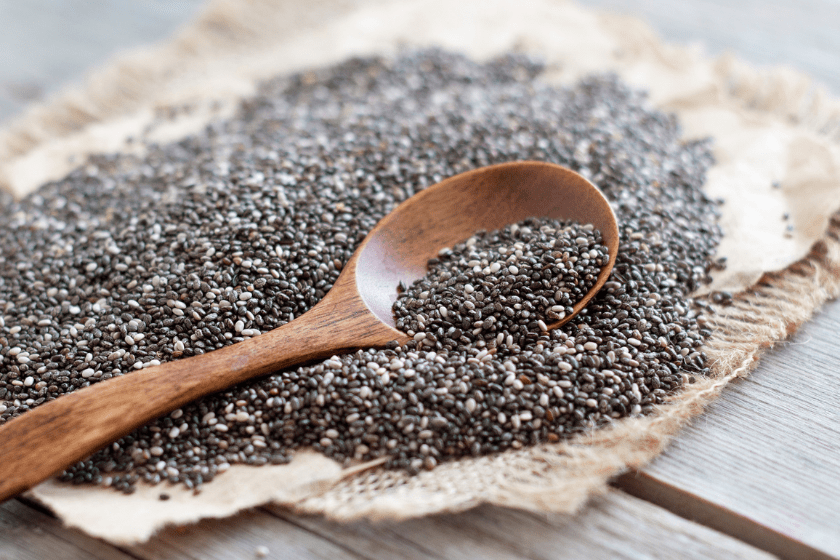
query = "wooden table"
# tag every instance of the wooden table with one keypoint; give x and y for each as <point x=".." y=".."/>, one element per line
<point x="758" y="475"/>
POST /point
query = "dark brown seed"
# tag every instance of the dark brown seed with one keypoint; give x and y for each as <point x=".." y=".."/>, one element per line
<point x="197" y="245"/>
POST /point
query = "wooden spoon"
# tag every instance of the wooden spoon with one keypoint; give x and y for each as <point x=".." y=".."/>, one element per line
<point x="356" y="313"/>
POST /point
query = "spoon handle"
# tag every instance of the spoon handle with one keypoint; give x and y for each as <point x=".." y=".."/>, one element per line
<point x="57" y="434"/>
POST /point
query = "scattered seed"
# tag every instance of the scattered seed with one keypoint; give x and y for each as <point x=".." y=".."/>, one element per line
<point x="270" y="204"/>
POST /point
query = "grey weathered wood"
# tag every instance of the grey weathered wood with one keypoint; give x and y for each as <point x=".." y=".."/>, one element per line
<point x="239" y="537"/>
<point x="46" y="44"/>
<point x="797" y="33"/>
<point x="28" y="534"/>
<point x="764" y="462"/>
<point x="614" y="526"/>
<point x="764" y="457"/>
<point x="769" y="449"/>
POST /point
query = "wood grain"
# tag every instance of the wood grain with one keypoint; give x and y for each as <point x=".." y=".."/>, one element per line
<point x="713" y="515"/>
<point x="28" y="534"/>
<point x="55" y="435"/>
<point x="799" y="33"/>
<point x="768" y="451"/>
<point x="239" y="537"/>
<point x="399" y="247"/>
<point x="614" y="526"/>
<point x="47" y="46"/>
<point x="356" y="313"/>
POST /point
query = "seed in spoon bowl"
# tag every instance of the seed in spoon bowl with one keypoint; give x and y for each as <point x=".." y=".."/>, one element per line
<point x="223" y="204"/>
<point x="355" y="313"/>
<point x="504" y="286"/>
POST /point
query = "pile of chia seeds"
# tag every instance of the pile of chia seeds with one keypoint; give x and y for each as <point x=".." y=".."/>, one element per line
<point x="503" y="287"/>
<point x="133" y="261"/>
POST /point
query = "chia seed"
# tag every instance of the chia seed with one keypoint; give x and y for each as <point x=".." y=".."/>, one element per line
<point x="133" y="261"/>
<point x="503" y="287"/>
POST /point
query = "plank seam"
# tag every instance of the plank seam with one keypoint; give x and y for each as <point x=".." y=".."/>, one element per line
<point x="291" y="521"/>
<point x="716" y="517"/>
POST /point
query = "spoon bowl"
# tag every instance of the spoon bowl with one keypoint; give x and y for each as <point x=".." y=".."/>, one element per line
<point x="355" y="313"/>
<point x="489" y="198"/>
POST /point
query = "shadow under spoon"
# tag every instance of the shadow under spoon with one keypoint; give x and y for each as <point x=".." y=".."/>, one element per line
<point x="356" y="313"/>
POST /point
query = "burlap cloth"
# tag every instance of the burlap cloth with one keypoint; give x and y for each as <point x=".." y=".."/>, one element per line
<point x="770" y="125"/>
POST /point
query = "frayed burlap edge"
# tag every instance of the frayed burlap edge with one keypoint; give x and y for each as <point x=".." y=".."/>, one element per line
<point x="148" y="76"/>
<point x="559" y="477"/>
<point x="562" y="477"/>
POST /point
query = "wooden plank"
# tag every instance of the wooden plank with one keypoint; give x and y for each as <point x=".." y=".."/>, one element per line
<point x="801" y="34"/>
<point x="791" y="476"/>
<point x="47" y="48"/>
<point x="767" y="451"/>
<point x="613" y="526"/>
<point x="712" y="515"/>
<point x="238" y="537"/>
<point x="28" y="534"/>
<point x="763" y="463"/>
